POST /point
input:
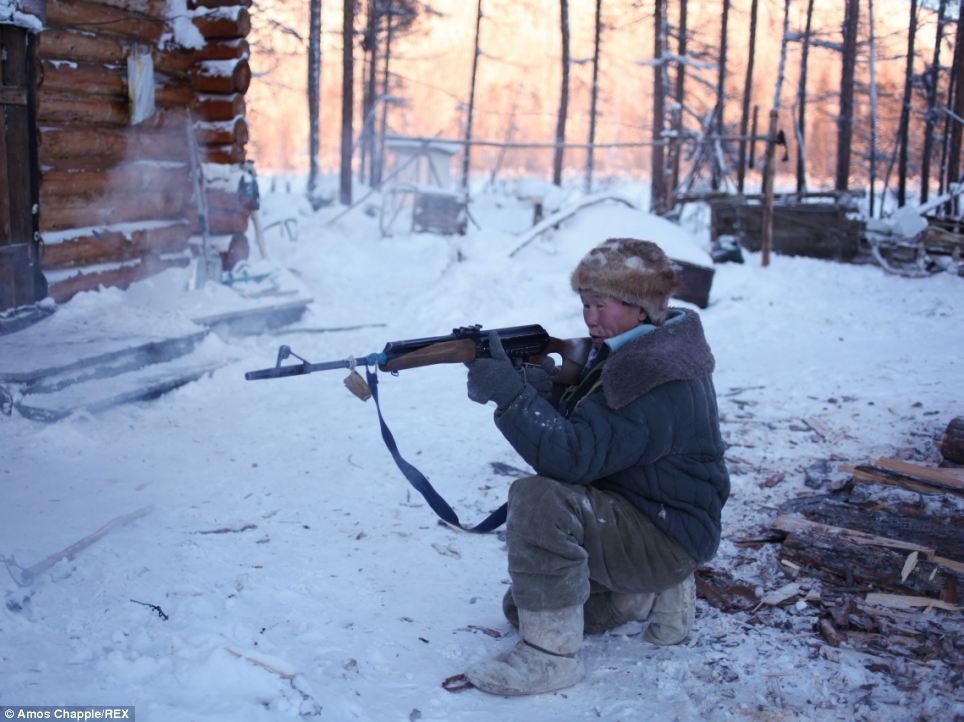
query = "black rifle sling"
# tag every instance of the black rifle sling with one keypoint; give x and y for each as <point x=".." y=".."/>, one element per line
<point x="417" y="479"/>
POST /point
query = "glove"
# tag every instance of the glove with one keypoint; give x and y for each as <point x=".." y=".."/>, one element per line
<point x="540" y="376"/>
<point x="494" y="378"/>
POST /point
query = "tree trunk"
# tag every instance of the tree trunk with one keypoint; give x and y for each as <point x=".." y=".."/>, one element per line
<point x="903" y="131"/>
<point x="594" y="96"/>
<point x="557" y="157"/>
<point x="957" y="131"/>
<point x="802" y="104"/>
<point x="347" y="98"/>
<point x="931" y="78"/>
<point x="314" y="92"/>
<point x="871" y="50"/>
<point x="675" y="152"/>
<point x="747" y="92"/>
<point x="717" y="129"/>
<point x="470" y="111"/>
<point x="658" y="200"/>
<point x="845" y="120"/>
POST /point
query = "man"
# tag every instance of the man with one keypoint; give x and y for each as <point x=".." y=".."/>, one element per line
<point x="630" y="477"/>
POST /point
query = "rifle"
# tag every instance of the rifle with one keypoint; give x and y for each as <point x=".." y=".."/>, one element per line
<point x="523" y="344"/>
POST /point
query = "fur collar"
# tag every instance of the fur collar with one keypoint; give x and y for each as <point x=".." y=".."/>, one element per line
<point x="675" y="351"/>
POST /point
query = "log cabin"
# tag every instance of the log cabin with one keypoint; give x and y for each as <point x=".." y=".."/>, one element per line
<point x="123" y="143"/>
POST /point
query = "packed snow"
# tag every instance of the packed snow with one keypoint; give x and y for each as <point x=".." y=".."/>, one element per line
<point x="278" y="565"/>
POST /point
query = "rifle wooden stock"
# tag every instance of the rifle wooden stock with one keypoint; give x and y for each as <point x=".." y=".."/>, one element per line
<point x="573" y="351"/>
<point x="444" y="352"/>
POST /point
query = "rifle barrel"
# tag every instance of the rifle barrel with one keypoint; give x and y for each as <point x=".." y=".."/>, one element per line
<point x="278" y="372"/>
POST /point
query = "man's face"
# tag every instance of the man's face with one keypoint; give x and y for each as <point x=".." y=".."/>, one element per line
<point x="606" y="317"/>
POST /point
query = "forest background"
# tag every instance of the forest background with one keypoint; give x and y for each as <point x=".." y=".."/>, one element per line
<point x="517" y="91"/>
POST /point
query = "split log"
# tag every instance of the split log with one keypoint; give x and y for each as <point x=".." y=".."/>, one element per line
<point x="63" y="290"/>
<point x="224" y="23"/>
<point x="952" y="445"/>
<point x="221" y="77"/>
<point x="855" y="558"/>
<point x="928" y="480"/>
<point x="147" y="28"/>
<point x="905" y="523"/>
<point x="102" y="246"/>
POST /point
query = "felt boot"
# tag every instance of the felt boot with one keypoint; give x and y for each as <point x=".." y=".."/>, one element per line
<point x="673" y="612"/>
<point x="607" y="610"/>
<point x="543" y="661"/>
<point x="602" y="611"/>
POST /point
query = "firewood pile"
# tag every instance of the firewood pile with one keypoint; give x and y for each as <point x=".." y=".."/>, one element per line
<point x="876" y="566"/>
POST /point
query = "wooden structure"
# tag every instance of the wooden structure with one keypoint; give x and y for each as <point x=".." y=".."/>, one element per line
<point x="121" y="98"/>
<point x="419" y="192"/>
<point x="819" y="230"/>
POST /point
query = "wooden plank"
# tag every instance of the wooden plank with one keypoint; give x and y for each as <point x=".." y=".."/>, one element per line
<point x="929" y="484"/>
<point x="794" y="523"/>
<point x="938" y="475"/>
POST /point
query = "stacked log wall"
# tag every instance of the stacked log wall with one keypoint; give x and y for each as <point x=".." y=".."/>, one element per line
<point x="117" y="200"/>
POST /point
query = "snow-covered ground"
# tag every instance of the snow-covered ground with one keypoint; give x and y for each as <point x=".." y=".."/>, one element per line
<point x="300" y="575"/>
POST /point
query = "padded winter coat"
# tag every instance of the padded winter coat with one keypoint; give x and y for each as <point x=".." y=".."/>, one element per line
<point x="643" y="423"/>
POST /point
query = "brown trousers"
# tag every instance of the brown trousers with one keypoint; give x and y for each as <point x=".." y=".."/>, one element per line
<point x="567" y="540"/>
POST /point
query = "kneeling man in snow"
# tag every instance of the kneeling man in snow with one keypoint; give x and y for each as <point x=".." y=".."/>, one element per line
<point x="630" y="474"/>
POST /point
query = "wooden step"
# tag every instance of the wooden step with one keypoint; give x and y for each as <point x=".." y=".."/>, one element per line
<point x="97" y="394"/>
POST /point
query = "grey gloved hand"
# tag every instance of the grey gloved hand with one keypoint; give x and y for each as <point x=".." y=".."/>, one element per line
<point x="541" y="376"/>
<point x="494" y="378"/>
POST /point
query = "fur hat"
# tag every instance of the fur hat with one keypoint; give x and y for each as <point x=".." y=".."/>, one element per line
<point x="636" y="272"/>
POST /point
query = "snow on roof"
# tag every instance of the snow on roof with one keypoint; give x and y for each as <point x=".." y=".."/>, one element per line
<point x="28" y="14"/>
